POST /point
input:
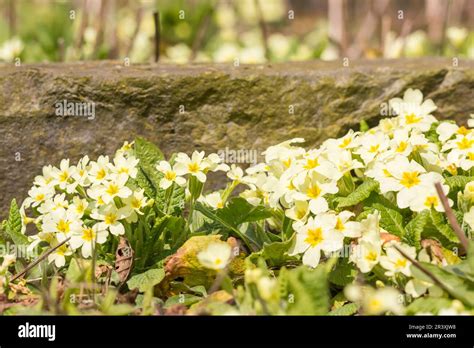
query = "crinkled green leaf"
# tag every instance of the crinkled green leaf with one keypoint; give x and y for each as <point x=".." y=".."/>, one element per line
<point x="428" y="305"/>
<point x="309" y="291"/>
<point x="440" y="230"/>
<point x="343" y="274"/>
<point x="390" y="220"/>
<point x="347" y="309"/>
<point x="458" y="287"/>
<point x="457" y="182"/>
<point x="13" y="225"/>
<point x="415" y="228"/>
<point x="275" y="254"/>
<point x="361" y="193"/>
<point x="147" y="279"/>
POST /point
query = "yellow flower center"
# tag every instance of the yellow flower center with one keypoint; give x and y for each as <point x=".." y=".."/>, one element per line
<point x="410" y="179"/>
<point x="63" y="176"/>
<point x="452" y="169"/>
<point x="217" y="261"/>
<point x="112" y="190"/>
<point x="412" y="119"/>
<point x="431" y="201"/>
<point x="401" y="263"/>
<point x="300" y="213"/>
<point x="193" y="167"/>
<point x="311" y="163"/>
<point x="136" y="203"/>
<point x="374" y="305"/>
<point x="110" y="218"/>
<point x="123" y="170"/>
<point x="470" y="155"/>
<point x="315" y="236"/>
<point x="88" y="234"/>
<point x="463" y="130"/>
<point x="39" y="197"/>
<point x="345" y="143"/>
<point x="220" y="205"/>
<point x="313" y="191"/>
<point x="374" y="148"/>
<point x="340" y="225"/>
<point x="63" y="226"/>
<point x="100" y="174"/>
<point x="402" y="146"/>
<point x="371" y="256"/>
<point x="465" y="144"/>
<point x="170" y="175"/>
<point x="287" y="163"/>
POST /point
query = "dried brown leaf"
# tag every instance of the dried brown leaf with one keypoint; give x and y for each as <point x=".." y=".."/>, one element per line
<point x="123" y="259"/>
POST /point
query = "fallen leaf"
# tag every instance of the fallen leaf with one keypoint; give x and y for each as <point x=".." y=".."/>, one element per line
<point x="123" y="259"/>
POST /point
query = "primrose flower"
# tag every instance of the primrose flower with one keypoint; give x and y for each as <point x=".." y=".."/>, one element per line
<point x="63" y="176"/>
<point x="62" y="222"/>
<point x="169" y="175"/>
<point x="375" y="301"/>
<point x="80" y="175"/>
<point x="213" y="200"/>
<point x="412" y="111"/>
<point x="38" y="194"/>
<point x="196" y="165"/>
<point x="47" y="179"/>
<point x="313" y="188"/>
<point x="394" y="262"/>
<point x="315" y="236"/>
<point x="59" y="255"/>
<point x="99" y="171"/>
<point x="216" y="256"/>
<point x="124" y="166"/>
<point x="110" y="218"/>
<point x="86" y="238"/>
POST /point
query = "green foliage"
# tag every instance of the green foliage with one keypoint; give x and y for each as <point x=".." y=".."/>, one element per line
<point x="309" y="290"/>
<point x="361" y="193"/>
<point x="459" y="288"/>
<point x="146" y="280"/>
<point x="343" y="273"/>
<point x="13" y="225"/>
<point x="237" y="212"/>
<point x="428" y="305"/>
<point x="390" y="219"/>
<point x="275" y="254"/>
<point x="345" y="310"/>
<point x="415" y="228"/>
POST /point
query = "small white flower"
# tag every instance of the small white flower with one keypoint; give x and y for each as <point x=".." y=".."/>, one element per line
<point x="196" y="165"/>
<point x="216" y="256"/>
<point x="87" y="237"/>
<point x="394" y="262"/>
<point x="315" y="236"/>
<point x="169" y="176"/>
<point x="110" y="217"/>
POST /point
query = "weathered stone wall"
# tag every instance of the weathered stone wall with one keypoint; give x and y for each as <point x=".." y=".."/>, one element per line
<point x="224" y="106"/>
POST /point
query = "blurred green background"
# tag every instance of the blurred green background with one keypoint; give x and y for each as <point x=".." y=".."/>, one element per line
<point x="252" y="31"/>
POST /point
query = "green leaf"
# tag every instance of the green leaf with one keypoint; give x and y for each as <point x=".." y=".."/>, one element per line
<point x="343" y="274"/>
<point x="361" y="193"/>
<point x="439" y="229"/>
<point x="145" y="280"/>
<point x="13" y="225"/>
<point x="428" y="305"/>
<point x="149" y="155"/>
<point x="391" y="220"/>
<point x="347" y="309"/>
<point x="458" y="287"/>
<point x="171" y="203"/>
<point x="184" y="299"/>
<point x="275" y="254"/>
<point x="415" y="227"/>
<point x="309" y="290"/>
<point x="458" y="182"/>
<point x="237" y="212"/>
